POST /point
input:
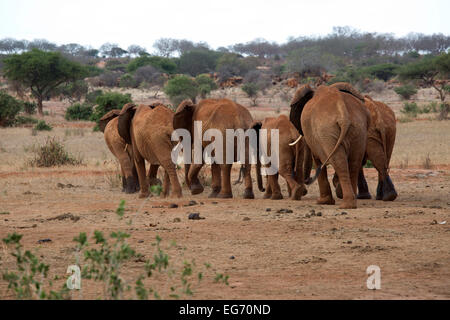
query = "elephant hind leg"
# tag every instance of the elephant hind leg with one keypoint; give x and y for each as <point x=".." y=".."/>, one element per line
<point x="296" y="190"/>
<point x="275" y="187"/>
<point x="346" y="179"/>
<point x="195" y="185"/>
<point x="268" y="192"/>
<point x="363" y="188"/>
<point x="140" y="168"/>
<point x="225" y="190"/>
<point x="215" y="180"/>
<point x="324" y="187"/>
<point x="248" y="192"/>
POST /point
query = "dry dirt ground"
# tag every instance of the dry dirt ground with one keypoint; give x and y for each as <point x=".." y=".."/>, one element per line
<point x="266" y="254"/>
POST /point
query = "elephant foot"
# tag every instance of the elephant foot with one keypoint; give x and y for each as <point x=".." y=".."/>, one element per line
<point x="215" y="191"/>
<point x="267" y="195"/>
<point x="379" y="191"/>
<point x="389" y="193"/>
<point x="391" y="196"/>
<point x="328" y="200"/>
<point x="248" y="194"/>
<point x="298" y="193"/>
<point x="276" y="196"/>
<point x="365" y="195"/>
<point x="225" y="195"/>
<point x="131" y="185"/>
<point x="144" y="195"/>
<point x="348" y="204"/>
<point x="196" y="188"/>
<point x="339" y="194"/>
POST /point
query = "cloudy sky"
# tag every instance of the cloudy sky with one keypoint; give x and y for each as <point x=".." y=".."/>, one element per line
<point x="220" y="23"/>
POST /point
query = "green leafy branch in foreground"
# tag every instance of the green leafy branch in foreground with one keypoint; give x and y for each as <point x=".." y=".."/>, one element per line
<point x="104" y="262"/>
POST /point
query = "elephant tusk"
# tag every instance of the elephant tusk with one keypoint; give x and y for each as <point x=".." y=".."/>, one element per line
<point x="126" y="147"/>
<point x="296" y="141"/>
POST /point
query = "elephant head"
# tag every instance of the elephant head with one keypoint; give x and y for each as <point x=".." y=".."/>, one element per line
<point x="107" y="118"/>
<point x="183" y="116"/>
<point x="125" y="117"/>
<point x="301" y="97"/>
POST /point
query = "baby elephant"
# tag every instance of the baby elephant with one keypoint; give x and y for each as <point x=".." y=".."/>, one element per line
<point x="290" y="158"/>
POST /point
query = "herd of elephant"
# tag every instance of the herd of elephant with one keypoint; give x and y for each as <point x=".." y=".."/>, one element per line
<point x="333" y="125"/>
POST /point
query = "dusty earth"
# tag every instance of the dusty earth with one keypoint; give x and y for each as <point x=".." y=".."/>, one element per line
<point x="313" y="252"/>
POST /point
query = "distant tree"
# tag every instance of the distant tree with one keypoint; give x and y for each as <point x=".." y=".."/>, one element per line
<point x="166" y="65"/>
<point x="180" y="88"/>
<point x="136" y="50"/>
<point x="73" y="91"/>
<point x="10" y="46"/>
<point x="165" y="46"/>
<point x="433" y="72"/>
<point x="232" y="64"/>
<point x="148" y="76"/>
<point x="72" y="49"/>
<point x="198" y="61"/>
<point x="254" y="82"/>
<point x="112" y="50"/>
<point x="42" y="72"/>
<point x="41" y="44"/>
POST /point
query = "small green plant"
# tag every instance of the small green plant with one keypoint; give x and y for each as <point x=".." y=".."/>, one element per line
<point x="28" y="281"/>
<point x="156" y="189"/>
<point x="52" y="153"/>
<point x="79" y="111"/>
<point x="41" y="125"/>
<point x="406" y="91"/>
<point x="410" y="109"/>
<point x="368" y="164"/>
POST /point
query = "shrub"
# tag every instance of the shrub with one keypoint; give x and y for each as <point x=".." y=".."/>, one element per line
<point x="205" y="84"/>
<point x="406" y="91"/>
<point x="29" y="107"/>
<point x="410" y="109"/>
<point x="148" y="75"/>
<point x="79" y="111"/>
<point x="127" y="81"/>
<point x="9" y="108"/>
<point x="21" y="120"/>
<point x="180" y="88"/>
<point x="107" y="102"/>
<point x="109" y="79"/>
<point x="51" y="154"/>
<point x="73" y="91"/>
<point x="251" y="89"/>
<point x="41" y="125"/>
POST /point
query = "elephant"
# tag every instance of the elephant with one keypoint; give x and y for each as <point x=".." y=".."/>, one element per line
<point x="108" y="124"/>
<point x="290" y="158"/>
<point x="148" y="129"/>
<point x="380" y="143"/>
<point x="334" y="123"/>
<point x="220" y="114"/>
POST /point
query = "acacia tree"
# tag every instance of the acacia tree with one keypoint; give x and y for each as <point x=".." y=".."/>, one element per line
<point x="433" y="72"/>
<point x="42" y="72"/>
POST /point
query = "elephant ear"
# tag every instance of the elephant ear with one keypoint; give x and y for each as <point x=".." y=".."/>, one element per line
<point x="183" y="116"/>
<point x="301" y="97"/>
<point x="124" y="125"/>
<point x="348" y="88"/>
<point x="107" y="118"/>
